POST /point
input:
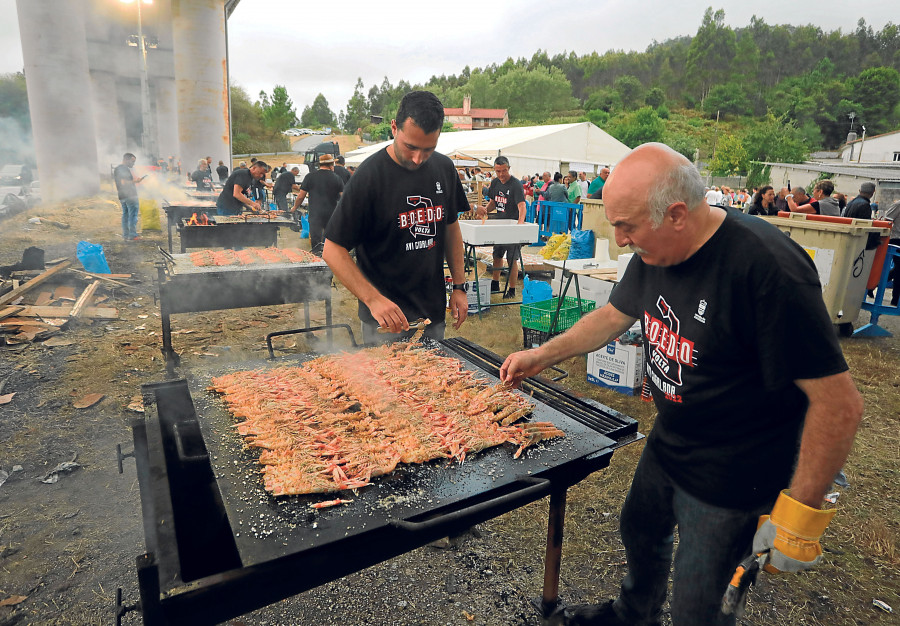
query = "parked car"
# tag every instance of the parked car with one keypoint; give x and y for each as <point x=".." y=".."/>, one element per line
<point x="9" y="174"/>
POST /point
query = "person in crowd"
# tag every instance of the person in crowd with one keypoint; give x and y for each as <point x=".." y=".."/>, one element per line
<point x="861" y="206"/>
<point x="542" y="189"/>
<point x="821" y="203"/>
<point x="351" y="169"/>
<point x="340" y="170"/>
<point x="798" y="195"/>
<point x="723" y="392"/>
<point x="285" y="184"/>
<point x="399" y="212"/>
<point x="201" y="176"/>
<point x="557" y="192"/>
<point x="222" y="171"/>
<point x="597" y="184"/>
<point x="764" y="202"/>
<point x="209" y="166"/>
<point x="528" y="188"/>
<point x="126" y="186"/>
<point x="507" y="197"/>
<point x="781" y="204"/>
<point x="324" y="188"/>
<point x="585" y="185"/>
<point x="234" y="195"/>
<point x="892" y="214"/>
<point x="574" y="188"/>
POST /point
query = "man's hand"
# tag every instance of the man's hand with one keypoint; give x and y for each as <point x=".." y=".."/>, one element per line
<point x="791" y="535"/>
<point x="459" y="307"/>
<point x="481" y="212"/>
<point x="521" y="365"/>
<point x="388" y="315"/>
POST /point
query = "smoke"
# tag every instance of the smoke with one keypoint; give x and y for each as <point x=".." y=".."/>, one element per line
<point x="16" y="143"/>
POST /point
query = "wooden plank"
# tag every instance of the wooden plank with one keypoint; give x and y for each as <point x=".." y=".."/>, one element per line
<point x="105" y="277"/>
<point x="44" y="298"/>
<point x="101" y="313"/>
<point x="10" y="311"/>
<point x="34" y="282"/>
<point x="84" y="299"/>
<point x="65" y="292"/>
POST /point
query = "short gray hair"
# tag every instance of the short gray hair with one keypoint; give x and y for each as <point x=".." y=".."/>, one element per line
<point x="681" y="183"/>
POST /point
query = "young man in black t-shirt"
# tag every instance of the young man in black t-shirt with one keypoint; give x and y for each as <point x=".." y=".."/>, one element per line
<point x="738" y="391"/>
<point x="284" y="184"/>
<point x="234" y="195"/>
<point x="399" y="211"/>
<point x="126" y="187"/>
<point x="508" y="197"/>
<point x="324" y="189"/>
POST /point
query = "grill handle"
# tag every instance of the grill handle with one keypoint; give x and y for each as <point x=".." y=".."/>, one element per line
<point x="532" y="489"/>
<point x="295" y="331"/>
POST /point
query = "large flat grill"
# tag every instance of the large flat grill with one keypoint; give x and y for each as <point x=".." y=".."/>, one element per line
<point x="231" y="233"/>
<point x="219" y="546"/>
<point x="187" y="288"/>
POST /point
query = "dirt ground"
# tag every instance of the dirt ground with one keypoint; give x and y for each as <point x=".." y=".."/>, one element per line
<point x="66" y="547"/>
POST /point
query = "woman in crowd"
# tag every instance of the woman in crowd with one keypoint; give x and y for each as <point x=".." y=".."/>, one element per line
<point x="764" y="202"/>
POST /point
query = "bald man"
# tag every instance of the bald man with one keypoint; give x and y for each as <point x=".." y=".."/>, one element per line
<point x="738" y="394"/>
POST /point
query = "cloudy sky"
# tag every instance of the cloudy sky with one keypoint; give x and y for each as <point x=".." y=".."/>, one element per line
<point x="313" y="47"/>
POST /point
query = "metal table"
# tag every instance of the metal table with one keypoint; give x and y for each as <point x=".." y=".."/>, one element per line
<point x="218" y="546"/>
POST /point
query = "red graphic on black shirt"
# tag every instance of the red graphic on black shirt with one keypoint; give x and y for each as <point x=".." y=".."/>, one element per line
<point x="423" y="218"/>
<point x="669" y="351"/>
<point x="500" y="200"/>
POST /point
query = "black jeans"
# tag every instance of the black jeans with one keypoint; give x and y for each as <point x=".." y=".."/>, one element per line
<point x="712" y="542"/>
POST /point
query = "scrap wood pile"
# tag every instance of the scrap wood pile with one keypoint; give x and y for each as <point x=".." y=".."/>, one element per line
<point x="252" y="256"/>
<point x="340" y="420"/>
<point x="37" y="304"/>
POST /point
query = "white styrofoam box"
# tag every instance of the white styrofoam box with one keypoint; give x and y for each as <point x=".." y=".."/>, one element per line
<point x="617" y="366"/>
<point x="591" y="289"/>
<point x="497" y="232"/>
<point x="622" y="264"/>
<point x="601" y="249"/>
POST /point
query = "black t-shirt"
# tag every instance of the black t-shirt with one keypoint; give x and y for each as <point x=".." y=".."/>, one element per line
<point x="324" y="189"/>
<point x="397" y="219"/>
<point x="284" y="183"/>
<point x="726" y="333"/>
<point x="125" y="182"/>
<point x="507" y="196"/>
<point x="342" y="173"/>
<point x="860" y="208"/>
<point x="222" y="171"/>
<point x="241" y="177"/>
<point x="201" y="178"/>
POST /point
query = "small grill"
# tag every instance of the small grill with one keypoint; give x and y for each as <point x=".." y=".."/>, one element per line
<point x="187" y="288"/>
<point x="218" y="546"/>
<point x="177" y="210"/>
<point x="231" y="233"/>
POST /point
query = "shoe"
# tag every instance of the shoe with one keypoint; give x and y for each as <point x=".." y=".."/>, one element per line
<point x="510" y="293"/>
<point x="495" y="286"/>
<point x="586" y="615"/>
<point x="138" y="238"/>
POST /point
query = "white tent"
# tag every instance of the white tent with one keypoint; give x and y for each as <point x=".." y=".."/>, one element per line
<point x="530" y="149"/>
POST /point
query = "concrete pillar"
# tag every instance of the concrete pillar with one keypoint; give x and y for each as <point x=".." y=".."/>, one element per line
<point x="166" y="117"/>
<point x="54" y="49"/>
<point x="201" y="79"/>
<point x="109" y="120"/>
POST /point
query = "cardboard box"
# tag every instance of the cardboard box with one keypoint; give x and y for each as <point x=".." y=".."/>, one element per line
<point x="617" y="366"/>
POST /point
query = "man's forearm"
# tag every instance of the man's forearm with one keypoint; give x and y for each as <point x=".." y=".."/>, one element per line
<point x="835" y="410"/>
<point x="591" y="332"/>
<point x="454" y="253"/>
<point x="522" y="213"/>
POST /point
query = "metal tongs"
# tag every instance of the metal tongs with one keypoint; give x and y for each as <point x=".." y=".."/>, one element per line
<point x="419" y="324"/>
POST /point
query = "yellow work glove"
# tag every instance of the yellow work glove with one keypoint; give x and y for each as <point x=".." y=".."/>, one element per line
<point x="790" y="535"/>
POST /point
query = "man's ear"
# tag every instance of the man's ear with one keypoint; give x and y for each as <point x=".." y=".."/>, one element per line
<point x="677" y="213"/>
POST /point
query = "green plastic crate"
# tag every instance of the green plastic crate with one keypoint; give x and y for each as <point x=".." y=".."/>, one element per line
<point x="539" y="315"/>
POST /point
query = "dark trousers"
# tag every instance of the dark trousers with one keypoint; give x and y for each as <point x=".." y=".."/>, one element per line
<point x="316" y="233"/>
<point x="712" y="541"/>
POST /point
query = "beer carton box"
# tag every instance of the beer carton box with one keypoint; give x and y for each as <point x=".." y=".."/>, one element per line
<point x="617" y="366"/>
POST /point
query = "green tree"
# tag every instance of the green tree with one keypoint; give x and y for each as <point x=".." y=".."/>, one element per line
<point x="14" y="99"/>
<point x="655" y="97"/>
<point x="637" y="127"/>
<point x="630" y="91"/>
<point x="730" y="157"/>
<point x="318" y="114"/>
<point x="533" y="94"/>
<point x="710" y="53"/>
<point x="357" y="113"/>
<point x="727" y="99"/>
<point x="277" y="112"/>
<point x="774" y="140"/>
<point x="877" y="90"/>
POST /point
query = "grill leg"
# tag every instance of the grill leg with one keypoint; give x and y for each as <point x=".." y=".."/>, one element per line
<point x="553" y="559"/>
<point x="148" y="582"/>
<point x="328" y="333"/>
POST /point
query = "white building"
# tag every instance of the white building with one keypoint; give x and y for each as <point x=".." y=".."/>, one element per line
<point x="582" y="147"/>
<point x="884" y="148"/>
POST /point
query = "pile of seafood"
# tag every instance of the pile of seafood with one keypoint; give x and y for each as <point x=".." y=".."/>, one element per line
<point x="340" y="420"/>
<point x="253" y="256"/>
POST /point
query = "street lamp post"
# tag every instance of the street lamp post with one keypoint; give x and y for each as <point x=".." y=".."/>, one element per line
<point x="148" y="131"/>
